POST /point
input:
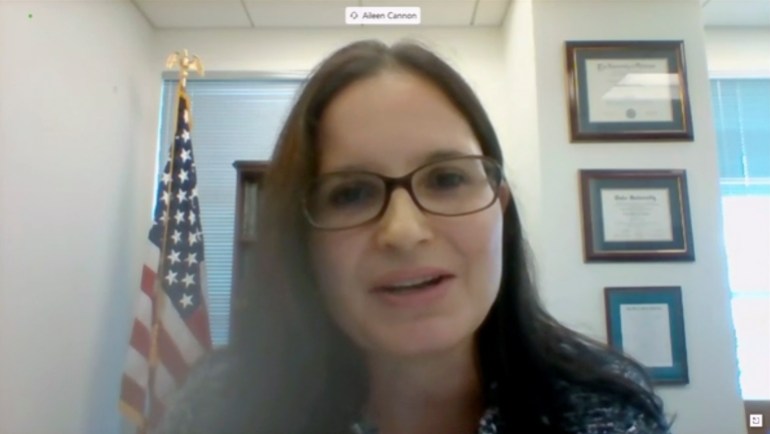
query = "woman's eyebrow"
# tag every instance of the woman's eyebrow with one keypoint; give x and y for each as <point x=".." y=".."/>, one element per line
<point x="443" y="153"/>
<point x="431" y="157"/>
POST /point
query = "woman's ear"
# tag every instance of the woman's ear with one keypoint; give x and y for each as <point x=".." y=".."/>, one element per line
<point x="504" y="193"/>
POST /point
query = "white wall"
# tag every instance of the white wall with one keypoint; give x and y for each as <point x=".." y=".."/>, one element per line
<point x="522" y="115"/>
<point x="573" y="290"/>
<point x="78" y="119"/>
<point x="738" y="51"/>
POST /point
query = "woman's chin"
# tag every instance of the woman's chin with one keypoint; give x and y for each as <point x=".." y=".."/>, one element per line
<point x="422" y="341"/>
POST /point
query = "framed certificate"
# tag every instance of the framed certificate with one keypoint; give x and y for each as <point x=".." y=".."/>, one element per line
<point x="635" y="215"/>
<point x="628" y="90"/>
<point x="647" y="323"/>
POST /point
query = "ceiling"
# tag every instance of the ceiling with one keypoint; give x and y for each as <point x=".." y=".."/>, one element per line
<point x="165" y="14"/>
<point x="176" y="14"/>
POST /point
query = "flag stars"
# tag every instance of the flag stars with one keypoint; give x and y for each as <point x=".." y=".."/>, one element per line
<point x="183" y="175"/>
<point x="164" y="217"/>
<point x="179" y="216"/>
<point x="166" y="178"/>
<point x="186" y="301"/>
<point x="192" y="238"/>
<point x="165" y="198"/>
<point x="185" y="155"/>
<point x="191" y="259"/>
<point x="171" y="277"/>
<point x="174" y="257"/>
<point x="177" y="237"/>
<point x="194" y="193"/>
<point x="181" y="196"/>
<point x="186" y="136"/>
<point x="191" y="217"/>
<point x="189" y="279"/>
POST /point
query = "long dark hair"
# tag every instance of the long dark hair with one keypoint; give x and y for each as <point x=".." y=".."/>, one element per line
<point x="296" y="372"/>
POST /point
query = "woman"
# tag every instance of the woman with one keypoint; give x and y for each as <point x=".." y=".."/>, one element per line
<point x="394" y="295"/>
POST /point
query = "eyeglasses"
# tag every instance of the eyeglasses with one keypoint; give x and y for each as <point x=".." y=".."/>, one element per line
<point x="450" y="187"/>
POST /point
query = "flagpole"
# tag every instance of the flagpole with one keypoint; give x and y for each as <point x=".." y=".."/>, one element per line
<point x="185" y="62"/>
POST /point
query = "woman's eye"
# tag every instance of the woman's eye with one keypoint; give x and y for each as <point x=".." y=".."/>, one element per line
<point x="351" y="195"/>
<point x="447" y="180"/>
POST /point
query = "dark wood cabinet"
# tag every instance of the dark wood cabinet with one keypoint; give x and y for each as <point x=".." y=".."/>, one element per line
<point x="245" y="244"/>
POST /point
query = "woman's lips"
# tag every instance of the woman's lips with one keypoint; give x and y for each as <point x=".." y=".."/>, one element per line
<point x="418" y="297"/>
<point x="406" y="276"/>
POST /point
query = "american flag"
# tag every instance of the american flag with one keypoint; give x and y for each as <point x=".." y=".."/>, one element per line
<point x="171" y="324"/>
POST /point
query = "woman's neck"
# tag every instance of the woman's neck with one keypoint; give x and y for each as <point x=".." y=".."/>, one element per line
<point x="435" y="393"/>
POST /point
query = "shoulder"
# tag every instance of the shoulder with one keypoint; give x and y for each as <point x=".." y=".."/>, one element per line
<point x="592" y="412"/>
<point x="200" y="400"/>
<point x="590" y="409"/>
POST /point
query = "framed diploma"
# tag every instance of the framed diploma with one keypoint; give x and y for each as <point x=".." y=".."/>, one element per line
<point x="635" y="215"/>
<point x="628" y="90"/>
<point x="647" y="323"/>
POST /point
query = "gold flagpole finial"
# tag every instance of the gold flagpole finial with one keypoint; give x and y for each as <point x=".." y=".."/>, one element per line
<point x="185" y="62"/>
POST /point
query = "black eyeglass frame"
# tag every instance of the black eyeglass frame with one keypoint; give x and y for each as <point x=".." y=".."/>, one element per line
<point x="405" y="182"/>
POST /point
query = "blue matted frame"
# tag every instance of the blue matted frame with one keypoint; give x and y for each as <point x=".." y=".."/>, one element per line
<point x="596" y="248"/>
<point x="616" y="297"/>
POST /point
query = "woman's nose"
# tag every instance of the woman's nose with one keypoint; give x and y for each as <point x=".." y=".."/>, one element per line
<point x="403" y="224"/>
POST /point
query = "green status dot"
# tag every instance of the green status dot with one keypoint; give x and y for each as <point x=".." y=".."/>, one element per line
<point x="29" y="16"/>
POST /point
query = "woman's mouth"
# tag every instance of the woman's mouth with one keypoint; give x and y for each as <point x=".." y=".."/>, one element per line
<point x="416" y="291"/>
<point x="413" y="285"/>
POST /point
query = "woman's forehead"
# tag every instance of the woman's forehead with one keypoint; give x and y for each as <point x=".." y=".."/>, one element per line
<point x="392" y="120"/>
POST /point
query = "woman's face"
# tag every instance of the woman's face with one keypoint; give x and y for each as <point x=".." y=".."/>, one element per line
<point x="391" y="124"/>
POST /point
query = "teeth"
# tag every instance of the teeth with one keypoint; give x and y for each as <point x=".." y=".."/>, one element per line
<point x="415" y="282"/>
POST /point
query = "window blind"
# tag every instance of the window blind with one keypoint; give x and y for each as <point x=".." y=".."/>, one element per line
<point x="742" y="121"/>
<point x="231" y="120"/>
